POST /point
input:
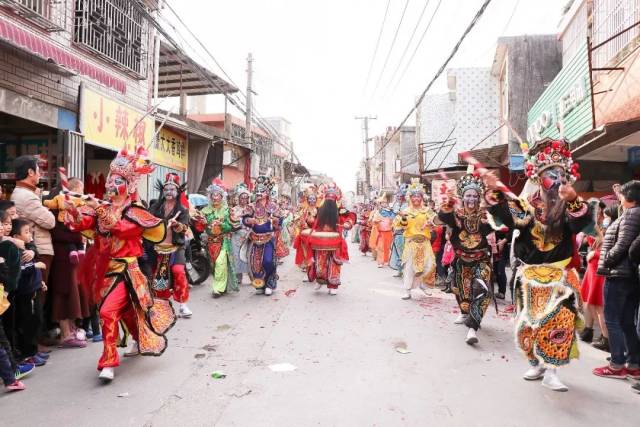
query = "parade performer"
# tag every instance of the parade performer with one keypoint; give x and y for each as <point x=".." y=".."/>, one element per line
<point x="169" y="278"/>
<point x="218" y="229"/>
<point x="304" y="221"/>
<point x="470" y="225"/>
<point x="418" y="260"/>
<point x="365" y="227"/>
<point x="397" y="246"/>
<point x="263" y="222"/>
<point x="282" y="248"/>
<point x="240" y="233"/>
<point x="373" y="235"/>
<point x="547" y="293"/>
<point x="382" y="222"/>
<point x="116" y="282"/>
<point x="327" y="247"/>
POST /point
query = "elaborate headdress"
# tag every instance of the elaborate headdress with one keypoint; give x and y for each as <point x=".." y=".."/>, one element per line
<point x="264" y="184"/>
<point x="173" y="179"/>
<point x="470" y="181"/>
<point x="402" y="190"/>
<point x="384" y="197"/>
<point x="216" y="186"/>
<point x="242" y="189"/>
<point x="549" y="153"/>
<point x="131" y="166"/>
<point x="416" y="188"/>
<point x="331" y="192"/>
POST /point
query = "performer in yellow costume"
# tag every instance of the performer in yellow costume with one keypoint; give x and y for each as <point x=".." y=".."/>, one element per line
<point x="418" y="260"/>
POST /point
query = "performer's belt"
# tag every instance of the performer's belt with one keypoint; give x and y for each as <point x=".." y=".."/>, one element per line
<point x="260" y="238"/>
<point x="417" y="238"/>
<point x="472" y="256"/>
<point x="215" y="239"/>
<point x="119" y="265"/>
<point x="165" y="248"/>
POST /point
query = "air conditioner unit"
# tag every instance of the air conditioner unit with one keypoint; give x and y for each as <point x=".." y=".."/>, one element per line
<point x="227" y="157"/>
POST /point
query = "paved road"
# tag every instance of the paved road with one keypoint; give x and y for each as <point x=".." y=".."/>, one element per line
<point x="348" y="371"/>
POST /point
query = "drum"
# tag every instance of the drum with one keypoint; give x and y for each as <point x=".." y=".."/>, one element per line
<point x="325" y="240"/>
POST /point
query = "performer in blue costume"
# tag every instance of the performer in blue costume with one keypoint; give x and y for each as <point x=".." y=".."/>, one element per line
<point x="263" y="222"/>
<point x="397" y="246"/>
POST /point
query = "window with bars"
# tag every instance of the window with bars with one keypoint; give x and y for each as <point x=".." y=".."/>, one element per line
<point x="116" y="30"/>
<point x="47" y="14"/>
<point x="575" y="35"/>
<point x="610" y="17"/>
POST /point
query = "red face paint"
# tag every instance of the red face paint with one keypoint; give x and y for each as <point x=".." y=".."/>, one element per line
<point x="547" y="183"/>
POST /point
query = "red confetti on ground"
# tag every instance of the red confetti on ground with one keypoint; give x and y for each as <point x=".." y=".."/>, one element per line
<point x="289" y="292"/>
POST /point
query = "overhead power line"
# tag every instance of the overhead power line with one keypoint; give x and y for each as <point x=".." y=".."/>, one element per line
<point x="406" y="48"/>
<point x="472" y="24"/>
<point x="236" y="102"/>
<point x="393" y="43"/>
<point x="375" y="51"/>
<point x="424" y="33"/>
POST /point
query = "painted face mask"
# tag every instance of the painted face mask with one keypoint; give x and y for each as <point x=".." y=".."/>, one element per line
<point x="471" y="199"/>
<point x="311" y="200"/>
<point x="552" y="178"/>
<point x="215" y="198"/>
<point x="116" y="186"/>
<point x="243" y="199"/>
<point x="170" y="192"/>
<point x="416" y="199"/>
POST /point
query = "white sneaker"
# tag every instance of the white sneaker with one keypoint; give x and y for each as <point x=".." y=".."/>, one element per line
<point x="333" y="292"/>
<point x="106" y="374"/>
<point x="317" y="287"/>
<point x="184" y="311"/>
<point x="534" y="373"/>
<point x="552" y="381"/>
<point x="268" y="291"/>
<point x="426" y="291"/>
<point x="471" y="337"/>
<point x="407" y="295"/>
<point x="134" y="350"/>
<point x="461" y="319"/>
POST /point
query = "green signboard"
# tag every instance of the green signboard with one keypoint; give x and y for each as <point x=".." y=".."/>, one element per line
<point x="567" y="100"/>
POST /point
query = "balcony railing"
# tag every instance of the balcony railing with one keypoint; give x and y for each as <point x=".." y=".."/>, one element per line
<point x="611" y="18"/>
<point x="116" y="30"/>
<point x="49" y="15"/>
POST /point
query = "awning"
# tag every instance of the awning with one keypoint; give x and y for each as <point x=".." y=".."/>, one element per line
<point x="178" y="73"/>
<point x="492" y="157"/>
<point x="609" y="142"/>
<point x="190" y="126"/>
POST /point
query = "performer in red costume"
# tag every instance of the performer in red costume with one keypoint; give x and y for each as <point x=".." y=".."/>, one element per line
<point x="116" y="282"/>
<point x="327" y="248"/>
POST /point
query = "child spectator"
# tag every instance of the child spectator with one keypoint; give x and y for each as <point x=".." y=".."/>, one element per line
<point x="56" y="204"/>
<point x="10" y="371"/>
<point x="27" y="313"/>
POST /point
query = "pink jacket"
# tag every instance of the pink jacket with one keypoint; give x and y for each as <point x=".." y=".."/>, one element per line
<point x="30" y="208"/>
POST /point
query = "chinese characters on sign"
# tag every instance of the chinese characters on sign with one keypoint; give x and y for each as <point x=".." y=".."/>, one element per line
<point x="110" y="124"/>
<point x="170" y="150"/>
<point x="439" y="189"/>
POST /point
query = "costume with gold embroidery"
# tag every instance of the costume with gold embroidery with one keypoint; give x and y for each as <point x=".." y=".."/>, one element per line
<point x="117" y="284"/>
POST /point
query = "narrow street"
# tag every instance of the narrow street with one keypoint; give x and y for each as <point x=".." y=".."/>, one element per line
<point x="348" y="370"/>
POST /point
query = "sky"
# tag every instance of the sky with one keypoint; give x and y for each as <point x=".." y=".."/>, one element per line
<point x="312" y="58"/>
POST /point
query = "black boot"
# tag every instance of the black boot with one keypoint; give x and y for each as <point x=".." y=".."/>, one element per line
<point x="586" y="335"/>
<point x="601" y="343"/>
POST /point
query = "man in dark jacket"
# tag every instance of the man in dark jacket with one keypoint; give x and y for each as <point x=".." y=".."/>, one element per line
<point x="621" y="288"/>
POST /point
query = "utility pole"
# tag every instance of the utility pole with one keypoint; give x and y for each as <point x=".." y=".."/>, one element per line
<point x="247" y="126"/>
<point x="366" y="154"/>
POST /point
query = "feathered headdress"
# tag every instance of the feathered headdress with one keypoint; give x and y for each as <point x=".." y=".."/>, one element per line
<point x="470" y="181"/>
<point x="216" y="187"/>
<point x="331" y="192"/>
<point x="242" y="189"/>
<point x="549" y="153"/>
<point x="131" y="166"/>
<point x="173" y="179"/>
<point x="264" y="184"/>
<point x="416" y="188"/>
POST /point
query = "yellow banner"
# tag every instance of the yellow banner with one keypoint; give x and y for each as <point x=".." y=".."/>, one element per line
<point x="108" y="123"/>
<point x="170" y="150"/>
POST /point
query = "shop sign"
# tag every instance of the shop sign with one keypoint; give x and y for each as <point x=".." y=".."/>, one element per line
<point x="170" y="149"/>
<point x="566" y="101"/>
<point x="111" y="124"/>
<point x="440" y="188"/>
